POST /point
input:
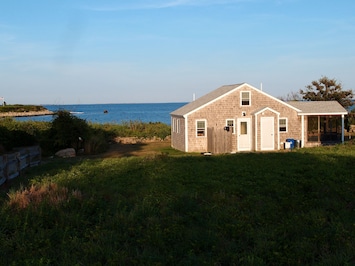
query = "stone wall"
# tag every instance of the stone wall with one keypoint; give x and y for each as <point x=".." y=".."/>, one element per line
<point x="11" y="164"/>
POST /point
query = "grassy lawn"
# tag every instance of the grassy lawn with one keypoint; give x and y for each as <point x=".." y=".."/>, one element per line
<point x="285" y="208"/>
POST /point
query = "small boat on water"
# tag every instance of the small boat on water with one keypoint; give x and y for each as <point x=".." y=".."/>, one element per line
<point x="76" y="113"/>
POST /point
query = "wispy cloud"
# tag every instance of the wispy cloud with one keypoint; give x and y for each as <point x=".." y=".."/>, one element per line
<point x="140" y="5"/>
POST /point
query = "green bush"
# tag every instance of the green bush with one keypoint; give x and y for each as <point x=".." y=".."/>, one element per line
<point x="16" y="134"/>
<point x="15" y="138"/>
<point x="5" y="139"/>
<point x="95" y="144"/>
<point x="69" y="131"/>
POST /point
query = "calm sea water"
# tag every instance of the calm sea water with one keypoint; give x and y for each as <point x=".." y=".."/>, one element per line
<point x="116" y="113"/>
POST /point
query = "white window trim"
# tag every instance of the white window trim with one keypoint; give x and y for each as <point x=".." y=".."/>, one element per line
<point x="286" y="125"/>
<point x="177" y="125"/>
<point x="173" y="124"/>
<point x="230" y="119"/>
<point x="200" y="120"/>
<point x="241" y="98"/>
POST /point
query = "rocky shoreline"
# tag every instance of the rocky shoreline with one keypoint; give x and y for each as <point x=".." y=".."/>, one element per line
<point x="20" y="114"/>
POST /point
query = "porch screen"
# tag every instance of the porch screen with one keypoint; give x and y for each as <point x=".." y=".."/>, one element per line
<point x="324" y="128"/>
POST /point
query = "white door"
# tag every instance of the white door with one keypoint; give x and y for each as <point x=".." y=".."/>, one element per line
<point x="267" y="133"/>
<point x="244" y="134"/>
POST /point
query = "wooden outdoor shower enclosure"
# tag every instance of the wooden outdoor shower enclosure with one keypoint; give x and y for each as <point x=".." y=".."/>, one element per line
<point x="219" y="140"/>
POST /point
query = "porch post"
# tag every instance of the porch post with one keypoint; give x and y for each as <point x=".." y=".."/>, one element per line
<point x="186" y="134"/>
<point x="256" y="131"/>
<point x="319" y="128"/>
<point x="302" y="133"/>
<point x="342" y="128"/>
<point x="278" y="131"/>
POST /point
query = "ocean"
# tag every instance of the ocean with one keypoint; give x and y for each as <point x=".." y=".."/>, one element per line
<point x="114" y="113"/>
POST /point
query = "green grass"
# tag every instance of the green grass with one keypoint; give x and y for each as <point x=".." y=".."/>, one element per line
<point x="21" y="108"/>
<point x="287" y="208"/>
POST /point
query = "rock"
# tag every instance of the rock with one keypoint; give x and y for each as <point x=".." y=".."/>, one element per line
<point x="66" y="153"/>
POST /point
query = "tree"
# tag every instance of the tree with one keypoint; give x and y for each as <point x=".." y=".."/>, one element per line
<point x="67" y="130"/>
<point x="291" y="96"/>
<point x="326" y="89"/>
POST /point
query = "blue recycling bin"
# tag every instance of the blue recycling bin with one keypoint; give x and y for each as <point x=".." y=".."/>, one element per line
<point x="292" y="143"/>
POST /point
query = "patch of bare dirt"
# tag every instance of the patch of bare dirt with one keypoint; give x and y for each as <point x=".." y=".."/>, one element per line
<point x="126" y="147"/>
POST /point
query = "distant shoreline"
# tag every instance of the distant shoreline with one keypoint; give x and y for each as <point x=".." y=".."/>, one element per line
<point x="25" y="114"/>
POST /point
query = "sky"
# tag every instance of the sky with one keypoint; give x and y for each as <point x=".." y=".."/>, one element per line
<point x="153" y="51"/>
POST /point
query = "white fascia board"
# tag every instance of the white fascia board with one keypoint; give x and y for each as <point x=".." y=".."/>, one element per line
<point x="214" y="100"/>
<point x="340" y="113"/>
<point x="267" y="108"/>
<point x="274" y="98"/>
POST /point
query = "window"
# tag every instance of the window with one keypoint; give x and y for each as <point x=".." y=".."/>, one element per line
<point x="201" y="128"/>
<point x="176" y="125"/>
<point x="243" y="128"/>
<point x="245" y="97"/>
<point x="173" y="124"/>
<point x="230" y="124"/>
<point x="283" y="125"/>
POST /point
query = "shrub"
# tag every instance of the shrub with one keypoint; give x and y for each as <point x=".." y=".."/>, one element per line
<point x="5" y="138"/>
<point x="68" y="131"/>
<point x="15" y="133"/>
<point x="96" y="143"/>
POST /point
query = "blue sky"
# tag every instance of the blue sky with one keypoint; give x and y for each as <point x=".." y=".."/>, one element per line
<point x="136" y="51"/>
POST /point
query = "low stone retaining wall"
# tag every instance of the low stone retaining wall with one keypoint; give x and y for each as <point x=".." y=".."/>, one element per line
<point x="11" y="164"/>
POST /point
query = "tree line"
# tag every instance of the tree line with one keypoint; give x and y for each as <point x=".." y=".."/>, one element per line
<point x="324" y="89"/>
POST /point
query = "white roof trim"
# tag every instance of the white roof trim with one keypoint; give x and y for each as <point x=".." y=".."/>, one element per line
<point x="266" y="108"/>
<point x="212" y="101"/>
<point x="337" y="113"/>
<point x="235" y="89"/>
<point x="274" y="98"/>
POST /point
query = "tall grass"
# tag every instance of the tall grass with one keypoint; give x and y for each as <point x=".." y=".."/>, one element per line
<point x="136" y="129"/>
<point x="287" y="208"/>
<point x="36" y="194"/>
<point x="64" y="132"/>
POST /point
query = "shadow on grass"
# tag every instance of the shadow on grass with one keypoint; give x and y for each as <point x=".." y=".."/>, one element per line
<point x="118" y="150"/>
<point x="293" y="208"/>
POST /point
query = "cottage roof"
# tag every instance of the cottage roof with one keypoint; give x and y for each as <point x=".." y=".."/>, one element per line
<point x="319" y="107"/>
<point x="209" y="97"/>
<point x="215" y="95"/>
